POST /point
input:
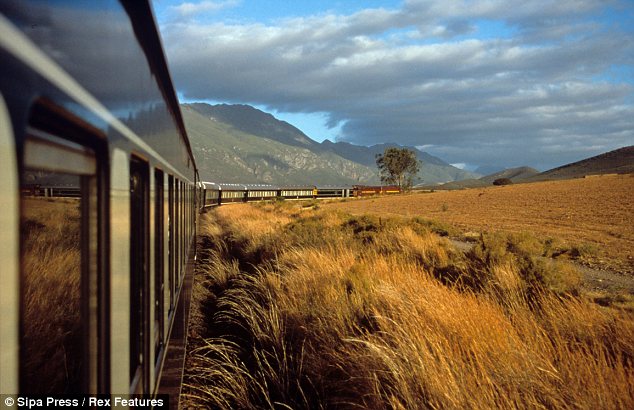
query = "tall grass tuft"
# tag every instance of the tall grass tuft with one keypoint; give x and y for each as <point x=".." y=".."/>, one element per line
<point x="335" y="311"/>
<point x="51" y="328"/>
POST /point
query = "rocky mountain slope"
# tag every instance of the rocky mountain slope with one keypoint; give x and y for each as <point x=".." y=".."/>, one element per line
<point x="239" y="143"/>
<point x="226" y="154"/>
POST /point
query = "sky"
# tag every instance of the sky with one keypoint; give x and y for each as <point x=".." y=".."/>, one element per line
<point x="491" y="82"/>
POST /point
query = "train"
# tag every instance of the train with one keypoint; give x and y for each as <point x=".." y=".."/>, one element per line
<point x="100" y="196"/>
<point x="214" y="194"/>
<point x="98" y="188"/>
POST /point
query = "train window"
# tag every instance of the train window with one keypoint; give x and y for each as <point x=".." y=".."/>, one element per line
<point x="188" y="221"/>
<point x="58" y="245"/>
<point x="139" y="276"/>
<point x="184" y="228"/>
<point x="171" y="249"/>
<point x="182" y="221"/>
<point x="159" y="286"/>
<point x="185" y="225"/>
<point x="189" y="216"/>
<point x="177" y="235"/>
<point x="181" y="237"/>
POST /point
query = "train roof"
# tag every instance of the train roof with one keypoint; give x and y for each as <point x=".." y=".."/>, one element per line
<point x="125" y="95"/>
<point x="376" y="186"/>
<point x="251" y="187"/>
<point x="146" y="28"/>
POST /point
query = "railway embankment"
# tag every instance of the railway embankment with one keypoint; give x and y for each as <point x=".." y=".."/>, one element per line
<point x="308" y="308"/>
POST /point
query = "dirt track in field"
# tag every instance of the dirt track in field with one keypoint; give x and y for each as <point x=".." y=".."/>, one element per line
<point x="597" y="211"/>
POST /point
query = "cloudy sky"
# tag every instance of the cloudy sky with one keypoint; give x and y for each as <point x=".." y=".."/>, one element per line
<point x="491" y="82"/>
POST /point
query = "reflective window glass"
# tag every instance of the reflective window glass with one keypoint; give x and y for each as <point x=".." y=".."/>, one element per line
<point x="56" y="246"/>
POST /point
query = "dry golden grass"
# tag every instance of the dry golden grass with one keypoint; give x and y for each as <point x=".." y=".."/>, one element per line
<point x="595" y="211"/>
<point x="333" y="311"/>
<point x="51" y="295"/>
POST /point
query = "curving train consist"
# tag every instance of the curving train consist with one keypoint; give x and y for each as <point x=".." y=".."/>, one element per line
<point x="99" y="194"/>
<point x="213" y="194"/>
<point x="94" y="281"/>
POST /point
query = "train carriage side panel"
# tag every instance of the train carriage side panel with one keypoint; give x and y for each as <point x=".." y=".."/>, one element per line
<point x="142" y="120"/>
<point x="297" y="192"/>
<point x="120" y="268"/>
<point x="9" y="254"/>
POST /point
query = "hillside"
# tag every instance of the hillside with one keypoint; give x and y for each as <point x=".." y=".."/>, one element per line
<point x="620" y="161"/>
<point x="514" y="174"/>
<point x="432" y="170"/>
<point x="238" y="143"/>
<point x="462" y="184"/>
<point x="224" y="153"/>
<point x="255" y="122"/>
<point x="488" y="169"/>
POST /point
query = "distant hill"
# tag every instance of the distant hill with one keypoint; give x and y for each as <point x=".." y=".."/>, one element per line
<point x="514" y="174"/>
<point x="463" y="184"/>
<point x="367" y="155"/>
<point x="432" y="170"/>
<point x="518" y="174"/>
<point x="488" y="169"/>
<point x="226" y="154"/>
<point x="239" y="143"/>
<point x="252" y="121"/>
<point x="619" y="161"/>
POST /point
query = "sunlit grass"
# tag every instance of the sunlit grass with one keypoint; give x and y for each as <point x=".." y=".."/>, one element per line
<point x="51" y="318"/>
<point x="313" y="309"/>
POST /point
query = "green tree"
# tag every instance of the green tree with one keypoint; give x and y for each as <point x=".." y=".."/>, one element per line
<point x="398" y="166"/>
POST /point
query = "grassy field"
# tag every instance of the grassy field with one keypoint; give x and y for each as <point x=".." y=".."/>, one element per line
<point x="593" y="215"/>
<point x="310" y="308"/>
<point x="51" y="323"/>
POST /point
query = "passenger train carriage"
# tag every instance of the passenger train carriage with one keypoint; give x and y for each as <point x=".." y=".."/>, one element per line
<point x="99" y="196"/>
<point x="213" y="194"/>
<point x="94" y="283"/>
<point x="216" y="194"/>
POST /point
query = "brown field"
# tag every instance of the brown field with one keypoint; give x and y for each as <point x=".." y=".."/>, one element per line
<point x="593" y="213"/>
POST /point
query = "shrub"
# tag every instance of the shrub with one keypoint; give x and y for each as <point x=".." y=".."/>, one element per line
<point x="502" y="181"/>
<point x="583" y="251"/>
<point x="422" y="225"/>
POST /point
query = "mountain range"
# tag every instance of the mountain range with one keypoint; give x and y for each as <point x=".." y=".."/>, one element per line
<point x="619" y="161"/>
<point x="241" y="144"/>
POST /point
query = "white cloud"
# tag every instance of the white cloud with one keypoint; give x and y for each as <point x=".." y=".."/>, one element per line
<point x="188" y="9"/>
<point x="477" y="100"/>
